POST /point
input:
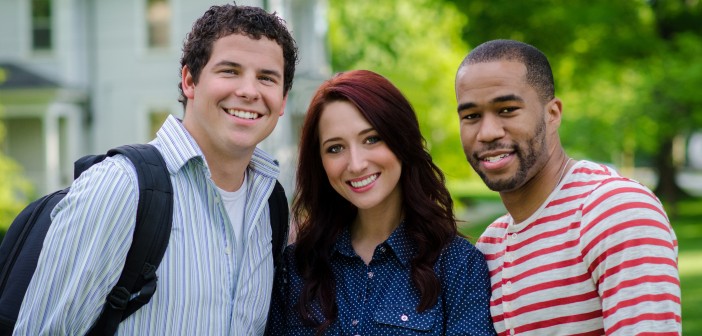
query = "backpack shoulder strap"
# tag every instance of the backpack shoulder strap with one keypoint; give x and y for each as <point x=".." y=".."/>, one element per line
<point x="137" y="283"/>
<point x="280" y="221"/>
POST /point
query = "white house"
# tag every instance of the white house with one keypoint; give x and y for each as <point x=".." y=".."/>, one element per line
<point x="82" y="76"/>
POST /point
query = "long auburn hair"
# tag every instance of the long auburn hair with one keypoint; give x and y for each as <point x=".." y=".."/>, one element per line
<point x="322" y="214"/>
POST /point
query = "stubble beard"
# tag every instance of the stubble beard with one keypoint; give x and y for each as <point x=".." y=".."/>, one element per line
<point x="528" y="157"/>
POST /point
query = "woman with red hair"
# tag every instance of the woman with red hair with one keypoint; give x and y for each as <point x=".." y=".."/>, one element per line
<point x="377" y="249"/>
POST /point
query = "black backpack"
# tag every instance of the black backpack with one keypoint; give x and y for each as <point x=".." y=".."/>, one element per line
<point x="20" y="249"/>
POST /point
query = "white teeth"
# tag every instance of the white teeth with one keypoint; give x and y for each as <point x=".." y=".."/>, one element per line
<point x="495" y="158"/>
<point x="242" y="114"/>
<point x="364" y="182"/>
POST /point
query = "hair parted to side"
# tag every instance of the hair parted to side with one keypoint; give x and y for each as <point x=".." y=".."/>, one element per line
<point x="224" y="20"/>
<point x="323" y="214"/>
<point x="539" y="74"/>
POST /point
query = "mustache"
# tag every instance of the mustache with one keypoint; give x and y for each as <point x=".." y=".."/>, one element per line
<point x="496" y="146"/>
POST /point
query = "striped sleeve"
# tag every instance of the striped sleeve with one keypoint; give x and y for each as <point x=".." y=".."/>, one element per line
<point x="83" y="253"/>
<point x="630" y="250"/>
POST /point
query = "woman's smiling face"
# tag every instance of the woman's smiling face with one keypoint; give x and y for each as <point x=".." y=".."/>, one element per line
<point x="358" y="163"/>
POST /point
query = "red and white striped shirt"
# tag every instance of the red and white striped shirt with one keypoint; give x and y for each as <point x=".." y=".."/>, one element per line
<point x="598" y="257"/>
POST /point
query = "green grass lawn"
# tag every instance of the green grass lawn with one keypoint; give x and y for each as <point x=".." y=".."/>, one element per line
<point x="688" y="228"/>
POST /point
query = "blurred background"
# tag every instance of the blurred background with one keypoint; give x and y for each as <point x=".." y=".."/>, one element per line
<point x="82" y="76"/>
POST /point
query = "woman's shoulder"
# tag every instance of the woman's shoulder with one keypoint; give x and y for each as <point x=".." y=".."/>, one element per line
<point x="460" y="243"/>
<point x="459" y="250"/>
<point x="289" y="252"/>
<point x="461" y="260"/>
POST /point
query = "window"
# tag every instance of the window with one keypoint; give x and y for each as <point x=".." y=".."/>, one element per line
<point x="158" y="20"/>
<point x="41" y="25"/>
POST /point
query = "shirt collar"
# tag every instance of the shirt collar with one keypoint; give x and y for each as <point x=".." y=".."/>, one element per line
<point x="178" y="147"/>
<point x="399" y="243"/>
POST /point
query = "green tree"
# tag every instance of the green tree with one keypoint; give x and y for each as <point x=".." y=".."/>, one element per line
<point x="675" y="74"/>
<point x="417" y="45"/>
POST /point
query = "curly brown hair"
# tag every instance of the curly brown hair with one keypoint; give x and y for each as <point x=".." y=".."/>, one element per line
<point x="221" y="21"/>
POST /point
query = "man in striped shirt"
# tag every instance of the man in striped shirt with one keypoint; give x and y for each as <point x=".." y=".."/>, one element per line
<point x="216" y="275"/>
<point x="583" y="250"/>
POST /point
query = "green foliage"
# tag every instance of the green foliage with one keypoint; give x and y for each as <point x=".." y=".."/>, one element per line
<point x="672" y="96"/>
<point x="417" y="45"/>
<point x="14" y="188"/>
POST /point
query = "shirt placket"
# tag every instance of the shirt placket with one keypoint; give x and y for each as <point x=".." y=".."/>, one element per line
<point x="507" y="286"/>
<point x="358" y="319"/>
<point x="367" y="275"/>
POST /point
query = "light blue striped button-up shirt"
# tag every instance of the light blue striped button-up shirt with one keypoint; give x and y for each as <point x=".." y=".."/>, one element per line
<point x="201" y="289"/>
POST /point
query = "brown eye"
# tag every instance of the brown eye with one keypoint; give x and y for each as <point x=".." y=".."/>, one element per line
<point x="508" y="109"/>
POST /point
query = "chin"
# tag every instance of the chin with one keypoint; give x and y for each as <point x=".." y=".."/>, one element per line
<point x="501" y="185"/>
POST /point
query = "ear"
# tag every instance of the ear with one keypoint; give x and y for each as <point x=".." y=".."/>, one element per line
<point x="187" y="83"/>
<point x="282" y="107"/>
<point x="554" y="111"/>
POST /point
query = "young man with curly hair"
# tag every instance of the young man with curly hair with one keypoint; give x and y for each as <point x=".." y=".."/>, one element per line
<point x="217" y="272"/>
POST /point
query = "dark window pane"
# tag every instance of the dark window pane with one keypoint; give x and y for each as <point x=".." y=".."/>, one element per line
<point x="41" y="25"/>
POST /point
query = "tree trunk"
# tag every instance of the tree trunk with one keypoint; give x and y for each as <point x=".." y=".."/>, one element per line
<point x="668" y="189"/>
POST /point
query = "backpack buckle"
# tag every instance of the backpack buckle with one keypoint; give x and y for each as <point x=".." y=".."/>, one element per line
<point x="147" y="291"/>
<point x="119" y="298"/>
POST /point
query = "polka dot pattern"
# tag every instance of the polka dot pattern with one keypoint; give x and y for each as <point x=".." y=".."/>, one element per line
<point x="380" y="299"/>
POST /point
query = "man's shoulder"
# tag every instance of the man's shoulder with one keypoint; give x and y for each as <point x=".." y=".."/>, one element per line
<point x="501" y="222"/>
<point x="114" y="169"/>
<point x="103" y="178"/>
<point x="494" y="233"/>
<point x="264" y="164"/>
<point x="598" y="181"/>
<point x="618" y="189"/>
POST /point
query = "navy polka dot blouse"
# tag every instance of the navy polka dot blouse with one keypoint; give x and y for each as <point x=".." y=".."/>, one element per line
<point x="380" y="299"/>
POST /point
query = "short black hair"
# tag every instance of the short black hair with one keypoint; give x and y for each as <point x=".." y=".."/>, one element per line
<point x="221" y="21"/>
<point x="538" y="69"/>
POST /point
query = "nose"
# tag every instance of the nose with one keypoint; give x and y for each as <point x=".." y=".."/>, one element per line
<point x="357" y="160"/>
<point x="247" y="88"/>
<point x="491" y="128"/>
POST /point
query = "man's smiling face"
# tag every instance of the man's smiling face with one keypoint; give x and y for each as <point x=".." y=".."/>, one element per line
<point x="237" y="99"/>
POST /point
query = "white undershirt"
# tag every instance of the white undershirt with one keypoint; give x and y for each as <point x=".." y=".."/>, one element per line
<point x="234" y="203"/>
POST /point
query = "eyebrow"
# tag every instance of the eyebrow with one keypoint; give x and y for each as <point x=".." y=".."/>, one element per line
<point x="365" y="131"/>
<point x="231" y="64"/>
<point x="500" y="99"/>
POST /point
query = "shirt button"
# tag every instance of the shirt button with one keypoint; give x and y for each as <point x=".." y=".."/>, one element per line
<point x="509" y="283"/>
<point x="370" y="275"/>
<point x="227" y="250"/>
<point x="514" y="236"/>
<point x="354" y="322"/>
<point x="404" y="318"/>
<point x="511" y="331"/>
